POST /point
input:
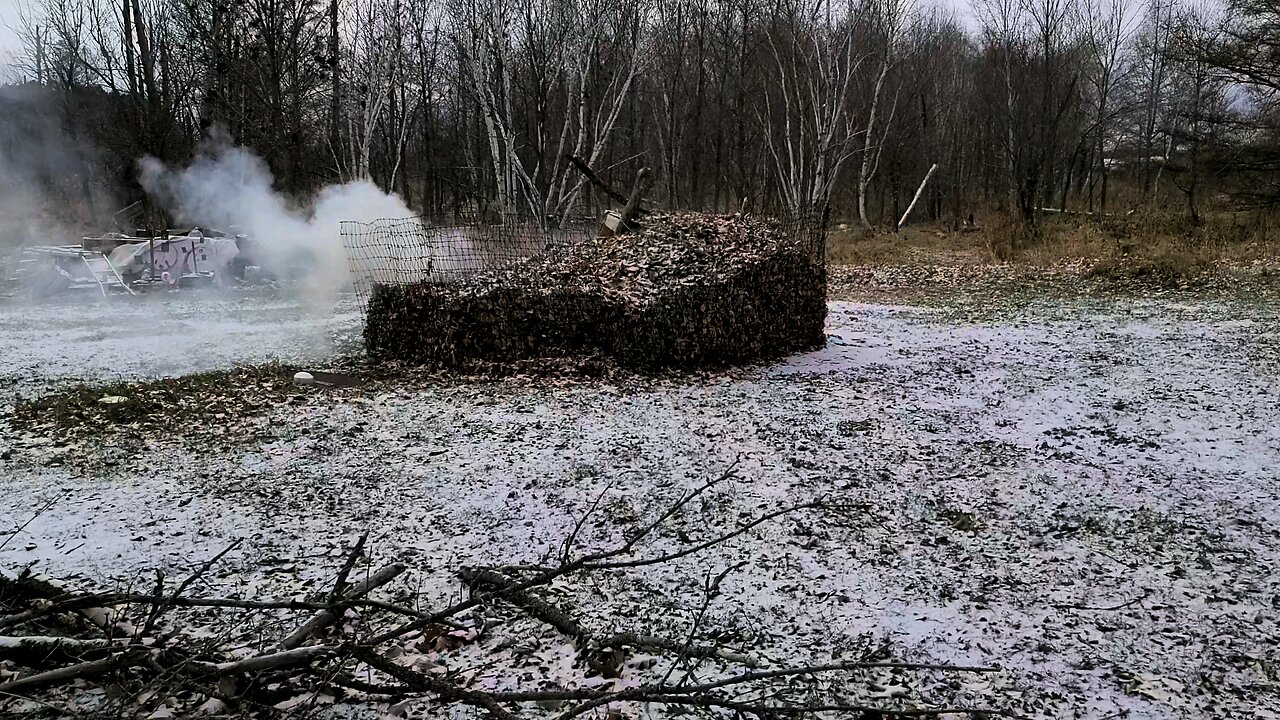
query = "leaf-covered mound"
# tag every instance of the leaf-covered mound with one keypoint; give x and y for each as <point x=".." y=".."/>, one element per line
<point x="686" y="291"/>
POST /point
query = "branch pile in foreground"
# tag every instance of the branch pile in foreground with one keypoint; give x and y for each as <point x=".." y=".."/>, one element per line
<point x="153" y="652"/>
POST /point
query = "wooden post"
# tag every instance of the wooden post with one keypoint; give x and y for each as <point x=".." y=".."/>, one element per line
<point x="643" y="180"/>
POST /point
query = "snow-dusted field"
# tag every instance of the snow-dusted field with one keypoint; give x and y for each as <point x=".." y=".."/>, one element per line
<point x="165" y="334"/>
<point x="1086" y="493"/>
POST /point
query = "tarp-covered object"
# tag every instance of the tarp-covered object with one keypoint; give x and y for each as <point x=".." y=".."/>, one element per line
<point x="687" y="291"/>
<point x="177" y="256"/>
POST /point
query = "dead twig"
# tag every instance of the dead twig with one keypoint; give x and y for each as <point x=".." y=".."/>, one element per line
<point x="632" y="539"/>
<point x="566" y="548"/>
<point x="718" y="540"/>
<point x="1072" y="606"/>
<point x="160" y="608"/>
<point x="43" y="509"/>
<point x="340" y="584"/>
<point x="710" y="591"/>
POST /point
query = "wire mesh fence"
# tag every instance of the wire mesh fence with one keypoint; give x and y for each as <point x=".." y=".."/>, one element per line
<point x="407" y="251"/>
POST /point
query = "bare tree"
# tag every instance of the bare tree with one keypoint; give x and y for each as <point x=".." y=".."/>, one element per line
<point x="809" y="130"/>
<point x="888" y="18"/>
<point x="1199" y="111"/>
<point x="1106" y="29"/>
<point x="1152" y="50"/>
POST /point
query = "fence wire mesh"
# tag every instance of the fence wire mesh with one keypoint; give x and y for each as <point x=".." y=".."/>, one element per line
<point x="413" y="250"/>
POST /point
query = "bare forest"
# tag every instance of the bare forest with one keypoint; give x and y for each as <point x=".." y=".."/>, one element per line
<point x="882" y="111"/>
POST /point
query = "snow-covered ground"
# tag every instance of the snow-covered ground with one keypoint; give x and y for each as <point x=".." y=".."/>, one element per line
<point x="166" y="334"/>
<point x="1084" y="492"/>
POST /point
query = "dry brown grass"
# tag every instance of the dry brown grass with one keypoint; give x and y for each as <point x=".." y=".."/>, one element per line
<point x="1155" y="245"/>
<point x="848" y="245"/>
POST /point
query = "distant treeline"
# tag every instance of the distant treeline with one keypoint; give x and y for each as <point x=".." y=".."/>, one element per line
<point x="466" y="105"/>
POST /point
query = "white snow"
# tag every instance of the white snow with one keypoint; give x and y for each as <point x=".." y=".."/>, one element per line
<point x="998" y="473"/>
<point x="167" y="333"/>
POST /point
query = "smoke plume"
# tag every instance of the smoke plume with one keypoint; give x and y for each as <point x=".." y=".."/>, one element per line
<point x="230" y="189"/>
<point x="52" y="188"/>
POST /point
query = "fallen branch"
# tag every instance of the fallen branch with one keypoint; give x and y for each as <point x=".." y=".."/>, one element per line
<point x="107" y="600"/>
<point x="45" y="647"/>
<point x="340" y="584"/>
<point x="70" y="672"/>
<point x="441" y="688"/>
<point x="326" y="617"/>
<point x="46" y="608"/>
<point x="175" y="663"/>
<point x="499" y="585"/>
<point x="653" y="642"/>
<point x="691" y="694"/>
<point x="273" y="661"/>
<point x="595" y="180"/>
<point x="493" y="583"/>
<point x="603" y="560"/>
<point x="919" y="191"/>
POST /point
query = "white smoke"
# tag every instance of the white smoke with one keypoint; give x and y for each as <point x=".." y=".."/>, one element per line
<point x="52" y="189"/>
<point x="230" y="189"/>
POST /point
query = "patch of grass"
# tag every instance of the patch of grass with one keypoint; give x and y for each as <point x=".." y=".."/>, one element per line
<point x="848" y="245"/>
<point x="1144" y="249"/>
<point x="1164" y="271"/>
<point x="192" y="403"/>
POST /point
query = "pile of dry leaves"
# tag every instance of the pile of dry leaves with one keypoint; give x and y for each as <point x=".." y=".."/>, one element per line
<point x="685" y="291"/>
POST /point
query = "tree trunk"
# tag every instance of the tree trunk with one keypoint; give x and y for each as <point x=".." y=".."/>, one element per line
<point x="932" y="169"/>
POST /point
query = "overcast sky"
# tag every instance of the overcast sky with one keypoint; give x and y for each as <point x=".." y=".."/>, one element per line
<point x="8" y="40"/>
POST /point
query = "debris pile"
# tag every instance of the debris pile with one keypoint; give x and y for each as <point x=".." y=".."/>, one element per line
<point x="685" y="291"/>
<point x="369" y="637"/>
